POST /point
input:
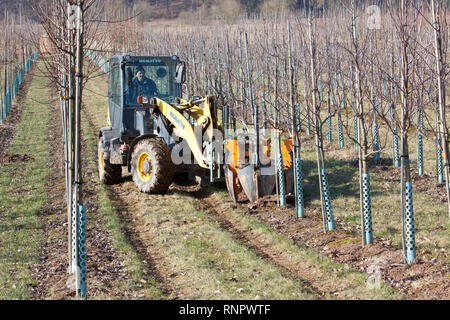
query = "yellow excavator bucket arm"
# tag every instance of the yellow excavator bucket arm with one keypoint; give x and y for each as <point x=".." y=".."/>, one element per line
<point x="202" y="111"/>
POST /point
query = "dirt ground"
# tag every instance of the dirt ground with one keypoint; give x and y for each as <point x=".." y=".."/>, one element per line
<point x="426" y="183"/>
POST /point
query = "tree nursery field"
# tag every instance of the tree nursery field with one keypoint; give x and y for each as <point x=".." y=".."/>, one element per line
<point x="276" y="151"/>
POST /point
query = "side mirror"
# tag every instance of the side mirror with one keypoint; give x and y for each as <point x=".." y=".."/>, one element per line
<point x="180" y="74"/>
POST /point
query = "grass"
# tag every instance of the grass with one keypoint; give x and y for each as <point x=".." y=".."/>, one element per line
<point x="22" y="195"/>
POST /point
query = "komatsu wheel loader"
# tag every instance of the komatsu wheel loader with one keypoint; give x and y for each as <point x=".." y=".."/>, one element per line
<point x="151" y="127"/>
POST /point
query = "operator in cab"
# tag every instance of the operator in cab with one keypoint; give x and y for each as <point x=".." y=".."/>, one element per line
<point x="142" y="86"/>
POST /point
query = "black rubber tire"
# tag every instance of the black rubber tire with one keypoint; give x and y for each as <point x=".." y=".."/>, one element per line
<point x="108" y="173"/>
<point x="181" y="177"/>
<point x="163" y="168"/>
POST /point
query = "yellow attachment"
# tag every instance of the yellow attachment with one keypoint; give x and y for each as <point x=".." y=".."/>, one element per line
<point x="233" y="148"/>
<point x="266" y="147"/>
<point x="144" y="167"/>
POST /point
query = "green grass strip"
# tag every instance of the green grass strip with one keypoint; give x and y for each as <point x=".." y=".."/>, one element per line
<point x="22" y="195"/>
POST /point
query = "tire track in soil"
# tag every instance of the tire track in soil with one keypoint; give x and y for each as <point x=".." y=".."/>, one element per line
<point x="266" y="253"/>
<point x="138" y="233"/>
<point x="420" y="280"/>
<point x="133" y="227"/>
<point x="105" y="265"/>
<point x="247" y="238"/>
<point x="9" y="127"/>
<point x="139" y="237"/>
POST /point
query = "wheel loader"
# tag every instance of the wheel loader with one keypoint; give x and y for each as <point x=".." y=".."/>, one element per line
<point x="151" y="127"/>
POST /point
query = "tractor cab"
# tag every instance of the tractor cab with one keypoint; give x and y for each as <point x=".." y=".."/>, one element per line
<point x="134" y="80"/>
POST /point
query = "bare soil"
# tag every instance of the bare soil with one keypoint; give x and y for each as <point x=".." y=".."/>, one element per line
<point x="426" y="183"/>
<point x="12" y="158"/>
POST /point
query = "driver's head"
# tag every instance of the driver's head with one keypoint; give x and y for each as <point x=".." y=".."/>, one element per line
<point x="140" y="73"/>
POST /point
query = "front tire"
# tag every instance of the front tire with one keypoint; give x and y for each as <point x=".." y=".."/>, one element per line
<point x="108" y="173"/>
<point x="152" y="166"/>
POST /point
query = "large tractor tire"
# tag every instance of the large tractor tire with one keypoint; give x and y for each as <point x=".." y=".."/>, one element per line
<point x="108" y="173"/>
<point x="152" y="166"/>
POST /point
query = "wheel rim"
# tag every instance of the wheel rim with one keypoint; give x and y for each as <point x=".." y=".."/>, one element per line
<point x="144" y="167"/>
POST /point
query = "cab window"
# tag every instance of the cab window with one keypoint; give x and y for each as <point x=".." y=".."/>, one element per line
<point x="115" y="88"/>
